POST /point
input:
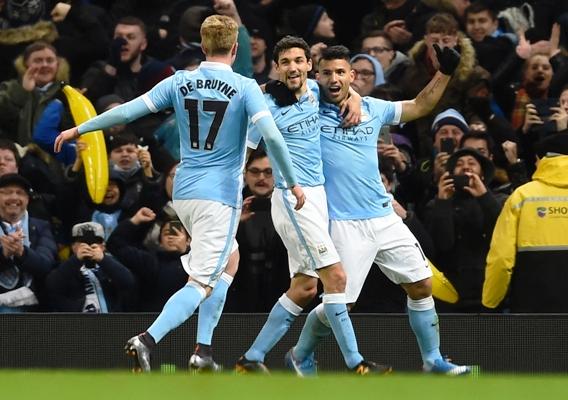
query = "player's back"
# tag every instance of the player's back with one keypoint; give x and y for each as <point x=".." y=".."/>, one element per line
<point x="212" y="106"/>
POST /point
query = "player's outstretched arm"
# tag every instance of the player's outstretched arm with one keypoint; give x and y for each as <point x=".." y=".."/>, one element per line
<point x="122" y="114"/>
<point x="427" y="99"/>
<point x="279" y="151"/>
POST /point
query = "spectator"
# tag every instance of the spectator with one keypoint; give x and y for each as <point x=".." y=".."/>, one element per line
<point x="28" y="250"/>
<point x="22" y="22"/>
<point x="460" y="220"/>
<point x="160" y="274"/>
<point x="419" y="183"/>
<point x="260" y="50"/>
<point x="310" y="22"/>
<point x="379" y="45"/>
<point x="91" y="280"/>
<point x="441" y="29"/>
<point x="83" y="38"/>
<point x="390" y="16"/>
<point x="128" y="72"/>
<point x="528" y="252"/>
<point x="263" y="267"/>
<point x="368" y="74"/>
<point x="23" y="102"/>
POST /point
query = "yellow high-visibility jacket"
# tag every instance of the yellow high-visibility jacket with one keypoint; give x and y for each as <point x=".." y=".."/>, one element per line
<point x="529" y="247"/>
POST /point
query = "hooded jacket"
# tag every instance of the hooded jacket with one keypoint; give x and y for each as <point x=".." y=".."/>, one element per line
<point x="529" y="248"/>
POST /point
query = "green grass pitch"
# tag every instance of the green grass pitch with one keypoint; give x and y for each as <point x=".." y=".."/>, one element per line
<point x="99" y="385"/>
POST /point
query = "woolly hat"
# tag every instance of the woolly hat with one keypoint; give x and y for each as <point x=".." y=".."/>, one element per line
<point x="304" y="19"/>
<point x="377" y="67"/>
<point x="487" y="167"/>
<point x="554" y="144"/>
<point x="449" y="117"/>
<point x="88" y="232"/>
<point x="24" y="12"/>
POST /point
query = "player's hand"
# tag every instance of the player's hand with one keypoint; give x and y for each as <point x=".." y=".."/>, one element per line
<point x="143" y="215"/>
<point x="65" y="136"/>
<point x="448" y="58"/>
<point x="283" y="96"/>
<point x="351" y="110"/>
<point x="299" y="195"/>
<point x="246" y="212"/>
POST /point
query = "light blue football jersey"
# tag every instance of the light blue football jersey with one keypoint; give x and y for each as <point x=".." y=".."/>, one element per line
<point x="299" y="125"/>
<point x="212" y="106"/>
<point x="350" y="162"/>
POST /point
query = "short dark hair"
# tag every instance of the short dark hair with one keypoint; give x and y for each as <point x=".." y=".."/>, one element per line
<point x="376" y="33"/>
<point x="130" y="20"/>
<point x="479" y="135"/>
<point x="37" y="46"/>
<point x="480" y="6"/>
<point x="443" y="23"/>
<point x="387" y="91"/>
<point x="290" y="42"/>
<point x="7" y="144"/>
<point x="335" y="53"/>
<point x="256" y="154"/>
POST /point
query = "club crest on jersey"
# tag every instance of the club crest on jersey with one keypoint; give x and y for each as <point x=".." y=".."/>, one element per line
<point x="322" y="249"/>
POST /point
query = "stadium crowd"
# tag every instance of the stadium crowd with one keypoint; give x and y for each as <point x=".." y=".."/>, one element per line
<point x="459" y="177"/>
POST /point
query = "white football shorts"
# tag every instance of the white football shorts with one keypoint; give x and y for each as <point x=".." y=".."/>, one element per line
<point x="305" y="232"/>
<point x="212" y="227"/>
<point x="385" y="241"/>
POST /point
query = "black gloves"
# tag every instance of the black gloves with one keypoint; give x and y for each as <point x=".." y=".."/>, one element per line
<point x="448" y="58"/>
<point x="282" y="95"/>
<point x="114" y="51"/>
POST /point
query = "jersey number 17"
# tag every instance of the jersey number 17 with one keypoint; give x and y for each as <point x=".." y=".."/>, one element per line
<point x="214" y="106"/>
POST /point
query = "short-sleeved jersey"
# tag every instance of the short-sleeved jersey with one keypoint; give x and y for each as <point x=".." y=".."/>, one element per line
<point x="212" y="106"/>
<point x="350" y="163"/>
<point x="299" y="125"/>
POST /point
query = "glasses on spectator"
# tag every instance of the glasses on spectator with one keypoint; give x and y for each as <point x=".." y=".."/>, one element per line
<point x="256" y="172"/>
<point x="364" y="73"/>
<point x="376" y="49"/>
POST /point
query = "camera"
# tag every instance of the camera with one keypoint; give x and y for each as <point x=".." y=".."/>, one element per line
<point x="460" y="181"/>
<point x="543" y="109"/>
<point x="447" y="145"/>
<point x="177" y="225"/>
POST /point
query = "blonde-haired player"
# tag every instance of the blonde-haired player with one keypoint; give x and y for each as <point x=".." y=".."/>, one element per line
<point x="212" y="106"/>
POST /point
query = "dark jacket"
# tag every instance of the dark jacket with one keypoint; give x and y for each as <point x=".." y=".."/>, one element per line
<point x="159" y="274"/>
<point x="461" y="229"/>
<point x="65" y="285"/>
<point x="37" y="260"/>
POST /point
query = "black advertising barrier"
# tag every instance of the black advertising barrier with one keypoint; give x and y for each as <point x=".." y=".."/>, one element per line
<point x="494" y="342"/>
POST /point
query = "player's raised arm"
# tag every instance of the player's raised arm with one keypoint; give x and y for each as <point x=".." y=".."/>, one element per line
<point x="427" y="99"/>
<point x="121" y="114"/>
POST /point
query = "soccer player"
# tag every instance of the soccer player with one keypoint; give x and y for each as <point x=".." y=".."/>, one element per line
<point x="212" y="106"/>
<point x="364" y="226"/>
<point x="311" y="253"/>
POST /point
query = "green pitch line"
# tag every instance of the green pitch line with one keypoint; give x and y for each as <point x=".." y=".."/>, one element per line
<point x="102" y="385"/>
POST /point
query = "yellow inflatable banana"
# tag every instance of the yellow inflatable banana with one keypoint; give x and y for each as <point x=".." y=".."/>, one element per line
<point x="442" y="288"/>
<point x="95" y="161"/>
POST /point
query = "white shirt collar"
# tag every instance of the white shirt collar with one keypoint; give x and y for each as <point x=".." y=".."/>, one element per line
<point x="215" y="65"/>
